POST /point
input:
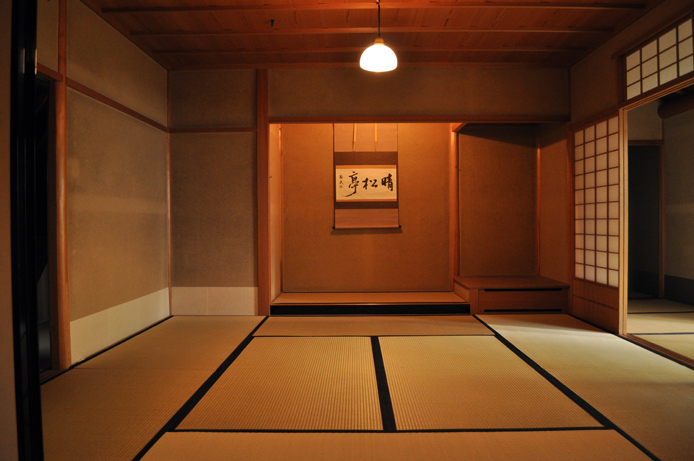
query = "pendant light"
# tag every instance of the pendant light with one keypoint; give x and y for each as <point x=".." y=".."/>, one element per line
<point x="378" y="57"/>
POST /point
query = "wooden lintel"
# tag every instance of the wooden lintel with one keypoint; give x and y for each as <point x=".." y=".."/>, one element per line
<point x="48" y="72"/>
<point x="213" y="129"/>
<point x="425" y="119"/>
<point x="114" y="104"/>
<point x="676" y="106"/>
<point x="385" y="6"/>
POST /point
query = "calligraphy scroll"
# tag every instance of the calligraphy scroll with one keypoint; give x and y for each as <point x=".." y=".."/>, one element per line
<point x="366" y="183"/>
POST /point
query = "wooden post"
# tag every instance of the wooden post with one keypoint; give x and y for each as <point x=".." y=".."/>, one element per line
<point x="454" y="235"/>
<point x="64" y="353"/>
<point x="263" y="168"/>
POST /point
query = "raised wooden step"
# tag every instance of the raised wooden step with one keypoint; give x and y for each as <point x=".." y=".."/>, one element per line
<point x="503" y="294"/>
<point x="379" y="303"/>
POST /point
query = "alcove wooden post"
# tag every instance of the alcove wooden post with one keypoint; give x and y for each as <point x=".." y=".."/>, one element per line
<point x="263" y="168"/>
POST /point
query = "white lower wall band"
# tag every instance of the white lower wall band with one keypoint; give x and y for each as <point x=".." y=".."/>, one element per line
<point x="98" y="331"/>
<point x="214" y="300"/>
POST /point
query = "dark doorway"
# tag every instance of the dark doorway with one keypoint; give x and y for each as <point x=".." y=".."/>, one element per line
<point x="644" y="221"/>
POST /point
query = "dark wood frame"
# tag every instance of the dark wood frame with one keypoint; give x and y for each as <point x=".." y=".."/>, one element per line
<point x="24" y="327"/>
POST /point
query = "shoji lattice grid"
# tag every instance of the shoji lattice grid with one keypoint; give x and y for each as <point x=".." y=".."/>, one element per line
<point x="596" y="189"/>
<point x="663" y="59"/>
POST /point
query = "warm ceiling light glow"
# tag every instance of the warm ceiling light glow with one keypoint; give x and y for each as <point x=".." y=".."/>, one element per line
<point x="378" y="57"/>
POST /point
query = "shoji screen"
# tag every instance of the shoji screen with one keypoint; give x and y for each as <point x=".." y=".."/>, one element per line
<point x="665" y="58"/>
<point x="596" y="190"/>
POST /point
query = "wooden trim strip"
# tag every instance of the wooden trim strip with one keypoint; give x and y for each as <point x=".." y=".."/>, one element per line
<point x="48" y="72"/>
<point x="454" y="209"/>
<point x="571" y="228"/>
<point x="661" y="237"/>
<point x="456" y="127"/>
<point x="424" y="119"/>
<point x="63" y="320"/>
<point x="214" y="129"/>
<point x="168" y="191"/>
<point x="116" y="105"/>
<point x="592" y="120"/>
<point x="538" y="200"/>
<point x="385" y="6"/>
<point x="659" y="91"/>
<point x="367" y="30"/>
<point x="263" y="188"/>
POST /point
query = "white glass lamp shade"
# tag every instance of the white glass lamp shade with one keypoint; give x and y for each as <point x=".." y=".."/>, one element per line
<point x="378" y="58"/>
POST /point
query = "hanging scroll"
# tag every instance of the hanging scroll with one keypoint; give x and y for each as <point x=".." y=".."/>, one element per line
<point x="366" y="182"/>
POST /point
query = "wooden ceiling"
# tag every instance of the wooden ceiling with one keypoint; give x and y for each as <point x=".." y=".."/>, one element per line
<point x="200" y="34"/>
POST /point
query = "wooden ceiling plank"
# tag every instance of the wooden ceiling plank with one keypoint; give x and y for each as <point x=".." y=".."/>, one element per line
<point x="384" y="6"/>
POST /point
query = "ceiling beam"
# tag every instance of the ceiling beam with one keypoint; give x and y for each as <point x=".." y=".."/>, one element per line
<point x="369" y="30"/>
<point x="352" y="49"/>
<point x="403" y="64"/>
<point x="370" y="5"/>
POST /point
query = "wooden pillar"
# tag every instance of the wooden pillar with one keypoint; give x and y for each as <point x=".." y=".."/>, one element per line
<point x="63" y="318"/>
<point x="262" y="187"/>
<point x="454" y="234"/>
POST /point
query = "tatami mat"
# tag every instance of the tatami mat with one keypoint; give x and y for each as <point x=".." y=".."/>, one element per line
<point x="110" y="414"/>
<point x="294" y="383"/>
<point x="440" y="325"/>
<point x="416" y="297"/>
<point x="637" y="306"/>
<point x="531" y="446"/>
<point x="660" y="323"/>
<point x="646" y="395"/>
<point x="682" y="344"/>
<point x="458" y="382"/>
<point x="180" y="343"/>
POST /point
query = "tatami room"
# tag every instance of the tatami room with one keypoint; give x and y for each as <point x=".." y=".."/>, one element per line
<point x="262" y="251"/>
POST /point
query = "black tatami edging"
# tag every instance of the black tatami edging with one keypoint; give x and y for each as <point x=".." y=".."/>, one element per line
<point x="127" y="338"/>
<point x="370" y="309"/>
<point x="403" y="431"/>
<point x="187" y="407"/>
<point x="387" y="413"/>
<point x="588" y="408"/>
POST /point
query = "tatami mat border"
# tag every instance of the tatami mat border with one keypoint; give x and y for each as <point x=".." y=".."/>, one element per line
<point x="399" y="431"/>
<point x="387" y="412"/>
<point x="199" y="394"/>
<point x="602" y="419"/>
